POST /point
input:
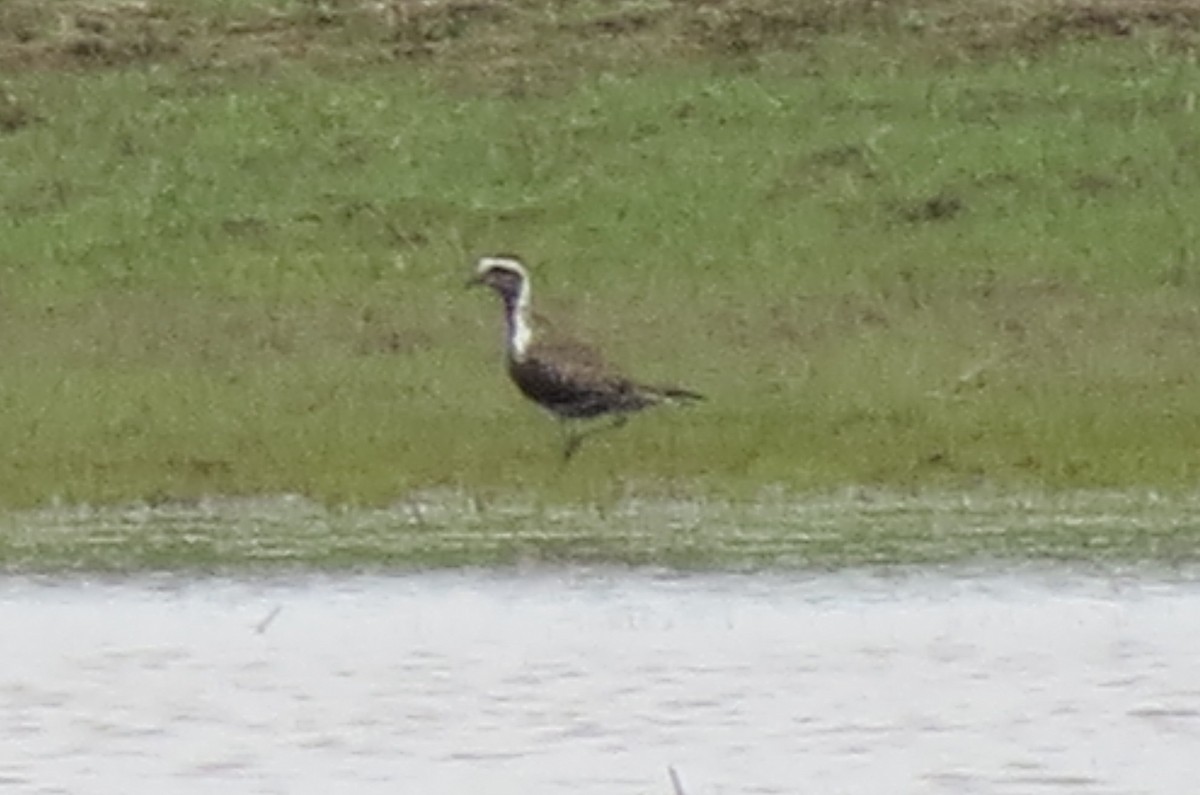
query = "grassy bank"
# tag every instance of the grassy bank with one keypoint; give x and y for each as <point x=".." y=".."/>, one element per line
<point x="931" y="244"/>
<point x="1122" y="532"/>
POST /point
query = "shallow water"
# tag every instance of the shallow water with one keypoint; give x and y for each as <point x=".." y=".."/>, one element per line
<point x="1052" y="680"/>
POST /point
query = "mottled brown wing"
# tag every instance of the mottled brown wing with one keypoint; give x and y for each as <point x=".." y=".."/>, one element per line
<point x="575" y="360"/>
<point x="573" y="380"/>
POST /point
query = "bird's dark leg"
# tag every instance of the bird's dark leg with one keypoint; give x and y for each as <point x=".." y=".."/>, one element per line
<point x="573" y="439"/>
<point x="571" y="446"/>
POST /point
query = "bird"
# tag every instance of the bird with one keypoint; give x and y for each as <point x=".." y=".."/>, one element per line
<point x="569" y="379"/>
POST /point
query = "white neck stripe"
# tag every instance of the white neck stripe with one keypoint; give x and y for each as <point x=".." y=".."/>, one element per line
<point x="520" y="331"/>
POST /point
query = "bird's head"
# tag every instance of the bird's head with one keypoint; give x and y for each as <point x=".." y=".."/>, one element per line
<point x="505" y="274"/>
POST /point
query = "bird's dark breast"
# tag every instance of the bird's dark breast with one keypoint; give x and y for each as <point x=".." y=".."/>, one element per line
<point x="574" y="395"/>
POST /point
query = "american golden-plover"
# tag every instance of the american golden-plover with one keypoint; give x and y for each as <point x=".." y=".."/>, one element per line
<point x="568" y="379"/>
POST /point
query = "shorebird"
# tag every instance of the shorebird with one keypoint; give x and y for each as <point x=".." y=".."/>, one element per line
<point x="568" y="379"/>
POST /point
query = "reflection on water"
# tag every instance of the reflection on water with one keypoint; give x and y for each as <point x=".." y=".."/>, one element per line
<point x="594" y="682"/>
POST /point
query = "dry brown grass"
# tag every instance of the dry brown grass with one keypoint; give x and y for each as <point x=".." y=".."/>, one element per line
<point x="512" y="37"/>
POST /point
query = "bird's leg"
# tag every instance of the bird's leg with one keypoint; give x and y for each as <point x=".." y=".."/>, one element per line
<point x="573" y="439"/>
<point x="571" y="446"/>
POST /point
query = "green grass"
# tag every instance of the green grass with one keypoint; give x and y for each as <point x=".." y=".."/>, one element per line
<point x="931" y="246"/>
